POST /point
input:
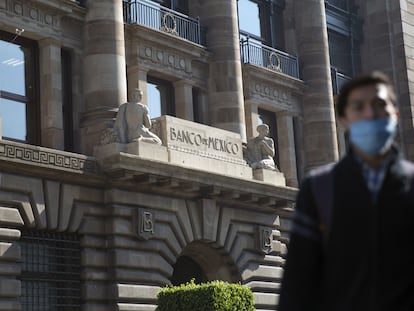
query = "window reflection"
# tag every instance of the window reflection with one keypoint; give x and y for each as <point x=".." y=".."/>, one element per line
<point x="160" y="97"/>
<point x="249" y="19"/>
<point x="154" y="100"/>
<point x="18" y="101"/>
<point x="13" y="117"/>
<point x="12" y="77"/>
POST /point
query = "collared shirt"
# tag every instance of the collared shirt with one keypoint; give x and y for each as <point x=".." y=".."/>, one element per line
<point x="374" y="176"/>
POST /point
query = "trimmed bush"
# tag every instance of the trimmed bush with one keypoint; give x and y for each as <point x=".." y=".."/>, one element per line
<point x="212" y="296"/>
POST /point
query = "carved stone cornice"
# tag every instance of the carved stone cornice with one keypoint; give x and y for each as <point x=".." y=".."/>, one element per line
<point x="271" y="89"/>
<point x="43" y="12"/>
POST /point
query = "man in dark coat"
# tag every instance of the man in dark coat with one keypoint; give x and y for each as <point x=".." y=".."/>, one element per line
<point x="352" y="240"/>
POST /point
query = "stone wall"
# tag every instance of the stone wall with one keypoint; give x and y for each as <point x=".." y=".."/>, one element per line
<point x="135" y="219"/>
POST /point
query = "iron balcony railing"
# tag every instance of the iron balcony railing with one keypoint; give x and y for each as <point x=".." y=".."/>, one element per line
<point x="338" y="80"/>
<point x="157" y="17"/>
<point x="256" y="53"/>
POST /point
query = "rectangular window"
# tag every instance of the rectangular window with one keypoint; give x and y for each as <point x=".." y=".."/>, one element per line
<point x="160" y="97"/>
<point x="18" y="88"/>
<point x="340" y="52"/>
<point x="50" y="276"/>
<point x="262" y="21"/>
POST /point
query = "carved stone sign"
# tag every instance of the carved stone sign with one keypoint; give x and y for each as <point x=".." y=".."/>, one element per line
<point x="199" y="139"/>
<point x="201" y="147"/>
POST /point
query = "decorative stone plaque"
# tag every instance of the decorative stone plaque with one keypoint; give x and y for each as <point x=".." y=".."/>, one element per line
<point x="144" y="223"/>
<point x="202" y="147"/>
<point x="265" y="239"/>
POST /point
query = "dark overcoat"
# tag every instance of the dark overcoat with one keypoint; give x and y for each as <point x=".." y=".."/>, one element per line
<point x="365" y="261"/>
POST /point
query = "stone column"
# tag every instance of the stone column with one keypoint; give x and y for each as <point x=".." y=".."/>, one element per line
<point x="203" y="107"/>
<point x="225" y="81"/>
<point x="183" y="91"/>
<point x="286" y="148"/>
<point x="104" y="68"/>
<point x="318" y="108"/>
<point x="51" y="95"/>
<point x="137" y="78"/>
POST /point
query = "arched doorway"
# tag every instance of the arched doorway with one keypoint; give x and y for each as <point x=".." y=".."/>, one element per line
<point x="203" y="262"/>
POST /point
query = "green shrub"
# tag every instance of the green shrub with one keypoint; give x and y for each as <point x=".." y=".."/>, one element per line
<point x="212" y="296"/>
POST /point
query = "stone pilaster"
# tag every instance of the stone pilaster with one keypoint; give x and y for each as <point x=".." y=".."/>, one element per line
<point x="77" y="98"/>
<point x="252" y="118"/>
<point x="388" y="34"/>
<point x="137" y="78"/>
<point x="183" y="91"/>
<point x="286" y="148"/>
<point x="319" y="127"/>
<point x="51" y="94"/>
<point x="225" y="81"/>
<point x="104" y="68"/>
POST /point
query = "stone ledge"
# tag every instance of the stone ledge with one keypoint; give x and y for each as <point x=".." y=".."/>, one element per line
<point x="139" y="148"/>
<point x="45" y="157"/>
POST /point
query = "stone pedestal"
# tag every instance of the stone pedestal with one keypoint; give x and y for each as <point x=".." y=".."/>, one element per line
<point x="142" y="149"/>
<point x="270" y="177"/>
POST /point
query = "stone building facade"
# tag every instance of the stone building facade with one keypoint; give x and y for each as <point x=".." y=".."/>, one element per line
<point x="90" y="227"/>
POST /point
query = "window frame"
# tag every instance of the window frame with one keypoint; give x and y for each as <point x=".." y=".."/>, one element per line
<point x="271" y="23"/>
<point x="167" y="106"/>
<point x="31" y="100"/>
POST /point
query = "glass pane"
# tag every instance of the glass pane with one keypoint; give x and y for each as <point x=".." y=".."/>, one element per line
<point x="13" y="117"/>
<point x="340" y="52"/>
<point x="154" y="100"/>
<point x="249" y="19"/>
<point x="12" y="68"/>
<point x="339" y="3"/>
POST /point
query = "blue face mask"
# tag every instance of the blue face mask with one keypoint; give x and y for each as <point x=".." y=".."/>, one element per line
<point x="373" y="136"/>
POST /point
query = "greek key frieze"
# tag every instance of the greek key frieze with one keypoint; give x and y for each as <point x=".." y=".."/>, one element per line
<point x="49" y="158"/>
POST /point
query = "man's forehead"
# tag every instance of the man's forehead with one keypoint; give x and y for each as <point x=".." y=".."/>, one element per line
<point x="379" y="90"/>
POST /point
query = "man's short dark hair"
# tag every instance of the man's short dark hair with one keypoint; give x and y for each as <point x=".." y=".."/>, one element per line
<point x="375" y="77"/>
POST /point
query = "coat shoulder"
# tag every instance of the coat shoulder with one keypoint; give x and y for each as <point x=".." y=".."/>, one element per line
<point x="407" y="167"/>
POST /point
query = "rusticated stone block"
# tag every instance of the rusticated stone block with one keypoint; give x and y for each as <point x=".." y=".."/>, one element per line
<point x="10" y="305"/>
<point x="94" y="258"/>
<point x="9" y="287"/>
<point x="135" y="307"/>
<point x="10" y="216"/>
<point x="9" y="234"/>
<point x="128" y="291"/>
<point x="95" y="291"/>
<point x="9" y="252"/>
<point x="9" y="269"/>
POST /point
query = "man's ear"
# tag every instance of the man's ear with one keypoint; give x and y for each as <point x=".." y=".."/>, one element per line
<point x="343" y="122"/>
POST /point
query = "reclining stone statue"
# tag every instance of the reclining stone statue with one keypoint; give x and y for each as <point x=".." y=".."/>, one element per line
<point x="132" y="123"/>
